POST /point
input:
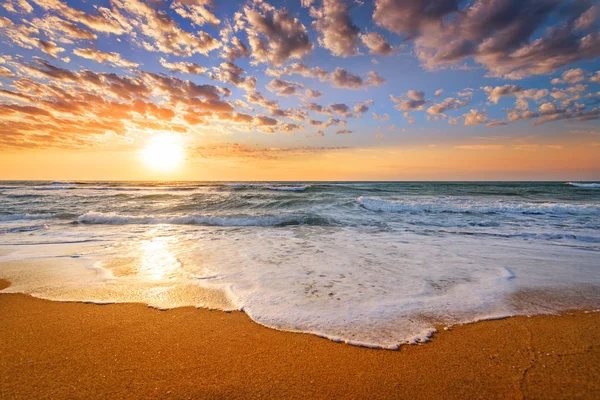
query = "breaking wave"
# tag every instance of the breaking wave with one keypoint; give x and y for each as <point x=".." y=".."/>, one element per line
<point x="585" y="185"/>
<point x="247" y="220"/>
<point x="456" y="205"/>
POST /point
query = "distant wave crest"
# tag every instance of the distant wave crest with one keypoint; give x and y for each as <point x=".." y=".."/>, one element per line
<point x="585" y="185"/>
<point x="452" y="205"/>
<point x="283" y="188"/>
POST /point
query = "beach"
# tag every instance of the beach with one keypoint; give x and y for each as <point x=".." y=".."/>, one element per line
<point x="76" y="350"/>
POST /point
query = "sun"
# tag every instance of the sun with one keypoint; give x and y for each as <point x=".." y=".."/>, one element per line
<point x="163" y="152"/>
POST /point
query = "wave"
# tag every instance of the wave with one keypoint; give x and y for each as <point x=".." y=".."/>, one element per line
<point x="248" y="220"/>
<point x="155" y="196"/>
<point x="31" y="217"/>
<point x="21" y="229"/>
<point x="288" y="188"/>
<point x="531" y="236"/>
<point x="18" y="217"/>
<point x="285" y="188"/>
<point x="450" y="205"/>
<point x="103" y="188"/>
<point x="585" y="185"/>
<point x="50" y="187"/>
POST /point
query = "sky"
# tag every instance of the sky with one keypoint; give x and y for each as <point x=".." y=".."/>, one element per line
<point x="300" y="90"/>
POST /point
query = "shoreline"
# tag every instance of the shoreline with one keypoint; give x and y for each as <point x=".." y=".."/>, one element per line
<point x="76" y="350"/>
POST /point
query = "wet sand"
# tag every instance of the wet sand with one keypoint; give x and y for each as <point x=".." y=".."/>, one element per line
<point x="75" y="350"/>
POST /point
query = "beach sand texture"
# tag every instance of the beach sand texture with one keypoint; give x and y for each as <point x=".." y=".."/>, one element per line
<point x="76" y="350"/>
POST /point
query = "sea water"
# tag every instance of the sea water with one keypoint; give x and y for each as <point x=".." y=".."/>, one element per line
<point x="369" y="263"/>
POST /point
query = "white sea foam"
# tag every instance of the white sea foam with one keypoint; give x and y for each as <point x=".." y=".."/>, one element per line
<point x="585" y="185"/>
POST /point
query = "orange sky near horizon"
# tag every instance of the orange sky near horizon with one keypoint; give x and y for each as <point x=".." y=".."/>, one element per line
<point x="439" y="162"/>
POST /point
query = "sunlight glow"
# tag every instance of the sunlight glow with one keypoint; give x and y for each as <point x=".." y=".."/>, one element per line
<point x="164" y="153"/>
<point x="157" y="262"/>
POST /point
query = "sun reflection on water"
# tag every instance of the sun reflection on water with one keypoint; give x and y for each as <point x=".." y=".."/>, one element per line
<point x="156" y="259"/>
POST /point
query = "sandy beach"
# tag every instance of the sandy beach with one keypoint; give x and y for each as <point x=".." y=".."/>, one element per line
<point x="76" y="350"/>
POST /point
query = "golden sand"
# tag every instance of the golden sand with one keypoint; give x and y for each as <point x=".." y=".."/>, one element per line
<point x="75" y="350"/>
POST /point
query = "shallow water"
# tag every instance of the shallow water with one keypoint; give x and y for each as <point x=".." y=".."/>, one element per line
<point x="376" y="264"/>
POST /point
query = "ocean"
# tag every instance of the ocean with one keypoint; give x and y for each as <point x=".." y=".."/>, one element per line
<point x="376" y="264"/>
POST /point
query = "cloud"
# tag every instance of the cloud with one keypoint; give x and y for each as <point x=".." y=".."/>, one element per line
<point x="298" y="115"/>
<point x="496" y="123"/>
<point x="284" y="88"/>
<point x="511" y="38"/>
<point x="521" y="105"/>
<point x="105" y="21"/>
<point x="339" y="78"/>
<point x="5" y="72"/>
<point x="228" y="72"/>
<point x="104" y="57"/>
<point x="314" y="107"/>
<point x="363" y="107"/>
<point x="17" y="6"/>
<point x="336" y="31"/>
<point x="289" y="129"/>
<point x="494" y="94"/>
<point x="341" y="109"/>
<point x="183" y="88"/>
<point x="165" y="34"/>
<point x="474" y="117"/>
<point x="62" y="31"/>
<point x="383" y="117"/>
<point x="198" y="13"/>
<point x="417" y="95"/>
<point x="312" y="94"/>
<point x="328" y="123"/>
<point x="258" y="98"/>
<point x="39" y="96"/>
<point x="376" y="44"/>
<point x="261" y="120"/>
<point x="449" y="103"/>
<point x="570" y="76"/>
<point x="413" y="100"/>
<point x="235" y="49"/>
<point x="411" y="17"/>
<point x="189" y="68"/>
<point x="24" y="36"/>
<point x="374" y="79"/>
<point x="343" y="132"/>
<point x="273" y="34"/>
<point x="66" y="115"/>
<point x="244" y="151"/>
